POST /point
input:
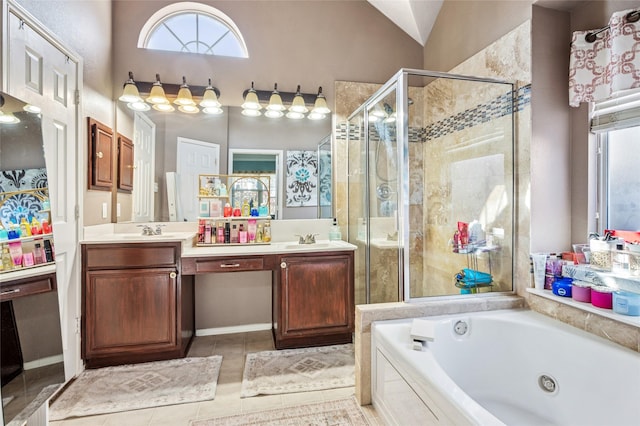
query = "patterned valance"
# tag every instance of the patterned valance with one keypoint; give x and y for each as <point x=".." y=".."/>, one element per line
<point x="605" y="61"/>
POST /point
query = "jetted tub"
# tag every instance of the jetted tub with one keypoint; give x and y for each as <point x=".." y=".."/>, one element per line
<point x="514" y="367"/>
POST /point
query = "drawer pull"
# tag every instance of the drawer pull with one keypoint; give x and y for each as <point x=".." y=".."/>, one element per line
<point x="173" y="275"/>
<point x="15" y="290"/>
<point x="283" y="265"/>
<point x="230" y="265"/>
<point x="99" y="154"/>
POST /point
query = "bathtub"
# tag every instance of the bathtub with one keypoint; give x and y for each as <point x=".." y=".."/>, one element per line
<point x="513" y="367"/>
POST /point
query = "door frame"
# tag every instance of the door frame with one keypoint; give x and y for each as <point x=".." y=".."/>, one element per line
<point x="72" y="351"/>
<point x="279" y="154"/>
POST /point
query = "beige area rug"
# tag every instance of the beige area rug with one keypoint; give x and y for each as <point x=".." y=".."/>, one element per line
<point x="342" y="412"/>
<point x="298" y="370"/>
<point x="136" y="386"/>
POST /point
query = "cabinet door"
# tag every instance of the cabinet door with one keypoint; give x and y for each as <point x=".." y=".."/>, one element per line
<point x="316" y="295"/>
<point x="125" y="164"/>
<point x="100" y="156"/>
<point x="130" y="311"/>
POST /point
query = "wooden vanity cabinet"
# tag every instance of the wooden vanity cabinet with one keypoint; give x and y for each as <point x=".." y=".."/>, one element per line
<point x="313" y="299"/>
<point x="136" y="307"/>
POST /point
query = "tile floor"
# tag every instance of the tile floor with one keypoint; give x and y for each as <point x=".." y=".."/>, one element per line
<point x="233" y="348"/>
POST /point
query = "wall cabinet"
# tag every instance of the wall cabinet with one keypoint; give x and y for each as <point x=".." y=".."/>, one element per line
<point x="136" y="305"/>
<point x="125" y="164"/>
<point x="313" y="299"/>
<point x="100" y="156"/>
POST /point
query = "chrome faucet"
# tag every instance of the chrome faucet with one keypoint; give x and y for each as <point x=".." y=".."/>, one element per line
<point x="307" y="239"/>
<point x="147" y="230"/>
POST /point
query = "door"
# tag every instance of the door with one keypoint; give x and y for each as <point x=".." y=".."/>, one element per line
<point x="41" y="71"/>
<point x="144" y="152"/>
<point x="194" y="158"/>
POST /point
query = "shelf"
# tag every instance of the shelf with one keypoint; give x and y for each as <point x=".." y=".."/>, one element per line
<point x="28" y="269"/>
<point x="31" y="238"/>
<point x="213" y="196"/>
<point x="235" y="218"/>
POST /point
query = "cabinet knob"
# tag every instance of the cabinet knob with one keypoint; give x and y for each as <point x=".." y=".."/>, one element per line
<point x="173" y="275"/>
<point x="99" y="154"/>
<point x="283" y="265"/>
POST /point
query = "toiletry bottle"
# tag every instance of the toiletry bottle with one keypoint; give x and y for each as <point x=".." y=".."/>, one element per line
<point x="7" y="263"/>
<point x="207" y="233"/>
<point x="334" y="232"/>
<point x="201" y="227"/>
<point x="220" y="238"/>
<point x="25" y="229"/>
<point x="234" y="234"/>
<point x="266" y="232"/>
<point x="227" y="210"/>
<point x="4" y="236"/>
<point x="48" y="251"/>
<point x="36" y="229"/>
<point x="227" y="233"/>
<point x="259" y="234"/>
<point x="46" y="228"/>
<point x="242" y="235"/>
<point x="246" y="209"/>
<point x="15" y="250"/>
<point x="237" y="212"/>
<point x="27" y="259"/>
<point x="38" y="255"/>
<point x="252" y="229"/>
<point x="263" y="211"/>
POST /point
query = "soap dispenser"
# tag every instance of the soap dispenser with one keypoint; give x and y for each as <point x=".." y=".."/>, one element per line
<point x="334" y="232"/>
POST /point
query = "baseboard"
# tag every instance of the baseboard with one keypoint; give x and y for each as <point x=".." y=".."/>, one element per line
<point x="233" y="329"/>
<point x="42" y="362"/>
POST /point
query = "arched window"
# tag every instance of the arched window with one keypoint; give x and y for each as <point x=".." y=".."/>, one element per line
<point x="193" y="28"/>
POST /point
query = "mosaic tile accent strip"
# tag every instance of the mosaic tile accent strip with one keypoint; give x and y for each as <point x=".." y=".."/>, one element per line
<point x="482" y="113"/>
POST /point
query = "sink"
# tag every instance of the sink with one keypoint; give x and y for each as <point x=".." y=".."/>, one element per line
<point x="297" y="246"/>
<point x="144" y="237"/>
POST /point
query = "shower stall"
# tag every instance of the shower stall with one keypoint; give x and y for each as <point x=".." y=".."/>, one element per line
<point x="431" y="187"/>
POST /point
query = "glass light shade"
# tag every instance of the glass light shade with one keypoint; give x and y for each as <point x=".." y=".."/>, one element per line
<point x="210" y="99"/>
<point x="130" y="93"/>
<point x="157" y="96"/>
<point x="298" y="104"/>
<point x="139" y="106"/>
<point x="33" y="109"/>
<point x="295" y="115"/>
<point x="189" y="109"/>
<point x="316" y="116"/>
<point x="273" y="114"/>
<point x="214" y="110"/>
<point x="251" y="112"/>
<point x="320" y="106"/>
<point x="373" y="118"/>
<point x="251" y="101"/>
<point x="184" y="97"/>
<point x="8" y="118"/>
<point x="164" y="107"/>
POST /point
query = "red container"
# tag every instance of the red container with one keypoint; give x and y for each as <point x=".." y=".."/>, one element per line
<point x="581" y="291"/>
<point x="602" y="296"/>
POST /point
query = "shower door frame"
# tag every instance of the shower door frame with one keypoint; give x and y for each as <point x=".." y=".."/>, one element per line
<point x="400" y="83"/>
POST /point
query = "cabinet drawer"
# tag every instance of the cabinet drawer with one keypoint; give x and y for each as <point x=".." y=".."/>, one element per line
<point x="230" y="264"/>
<point x="131" y="256"/>
<point x="28" y="286"/>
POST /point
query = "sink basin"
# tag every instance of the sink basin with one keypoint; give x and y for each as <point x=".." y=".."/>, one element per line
<point x="296" y="246"/>
<point x="144" y="237"/>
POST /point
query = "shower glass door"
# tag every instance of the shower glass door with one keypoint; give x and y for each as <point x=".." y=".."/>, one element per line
<point x="382" y="198"/>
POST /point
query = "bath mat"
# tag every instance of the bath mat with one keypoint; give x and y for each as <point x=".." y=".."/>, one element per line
<point x="298" y="370"/>
<point x="135" y="386"/>
<point x="341" y="412"/>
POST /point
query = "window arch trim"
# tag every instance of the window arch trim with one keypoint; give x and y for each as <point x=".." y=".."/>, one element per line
<point x="188" y="7"/>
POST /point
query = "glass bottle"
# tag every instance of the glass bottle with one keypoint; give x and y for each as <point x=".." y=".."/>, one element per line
<point x="7" y="263"/>
<point x="266" y="232"/>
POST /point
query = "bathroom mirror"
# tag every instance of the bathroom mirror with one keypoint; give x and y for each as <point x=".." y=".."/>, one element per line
<point x="31" y="339"/>
<point x="230" y="131"/>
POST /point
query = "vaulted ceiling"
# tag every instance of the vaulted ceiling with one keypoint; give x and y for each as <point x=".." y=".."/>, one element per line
<point x="415" y="17"/>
